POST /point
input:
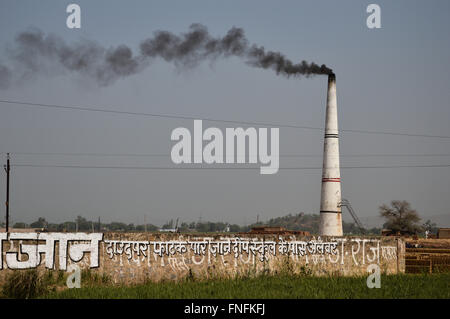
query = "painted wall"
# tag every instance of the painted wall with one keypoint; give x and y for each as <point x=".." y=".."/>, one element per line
<point x="132" y="258"/>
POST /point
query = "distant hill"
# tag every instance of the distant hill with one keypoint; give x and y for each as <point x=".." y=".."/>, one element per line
<point x="310" y="222"/>
<point x="301" y="221"/>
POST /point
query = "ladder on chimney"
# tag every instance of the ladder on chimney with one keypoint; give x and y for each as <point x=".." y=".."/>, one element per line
<point x="346" y="203"/>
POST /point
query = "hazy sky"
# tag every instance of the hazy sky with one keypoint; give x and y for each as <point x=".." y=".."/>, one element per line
<point x="393" y="79"/>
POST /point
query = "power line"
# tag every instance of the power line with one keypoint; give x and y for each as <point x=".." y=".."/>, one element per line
<point x="170" y="116"/>
<point x="212" y="168"/>
<point x="168" y="155"/>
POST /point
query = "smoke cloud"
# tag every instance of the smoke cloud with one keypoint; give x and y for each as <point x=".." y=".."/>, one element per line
<point x="35" y="53"/>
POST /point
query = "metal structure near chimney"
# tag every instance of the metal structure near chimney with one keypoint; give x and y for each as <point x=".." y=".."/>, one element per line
<point x="330" y="208"/>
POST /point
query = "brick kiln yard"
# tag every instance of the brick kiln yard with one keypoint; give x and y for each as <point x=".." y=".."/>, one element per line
<point x="427" y="256"/>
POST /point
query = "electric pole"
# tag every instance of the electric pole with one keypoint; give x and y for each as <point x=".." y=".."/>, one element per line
<point x="7" y="168"/>
<point x="145" y="223"/>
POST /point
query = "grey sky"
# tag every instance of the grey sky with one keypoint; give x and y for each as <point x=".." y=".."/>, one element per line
<point x="392" y="79"/>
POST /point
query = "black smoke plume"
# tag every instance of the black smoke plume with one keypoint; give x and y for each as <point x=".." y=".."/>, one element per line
<point x="34" y="53"/>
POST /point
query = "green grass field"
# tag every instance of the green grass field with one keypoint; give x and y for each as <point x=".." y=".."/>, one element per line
<point x="394" y="286"/>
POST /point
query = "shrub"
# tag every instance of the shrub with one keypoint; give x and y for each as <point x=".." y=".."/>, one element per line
<point x="91" y="278"/>
<point x="25" y="284"/>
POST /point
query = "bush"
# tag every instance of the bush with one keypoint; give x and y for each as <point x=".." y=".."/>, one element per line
<point x="91" y="278"/>
<point x="25" y="284"/>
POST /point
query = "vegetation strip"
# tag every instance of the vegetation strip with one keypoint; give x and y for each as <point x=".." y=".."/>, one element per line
<point x="267" y="286"/>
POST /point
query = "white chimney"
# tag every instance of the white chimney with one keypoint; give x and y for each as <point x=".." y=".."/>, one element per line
<point x="330" y="210"/>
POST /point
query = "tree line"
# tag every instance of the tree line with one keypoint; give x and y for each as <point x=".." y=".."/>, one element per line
<point x="399" y="218"/>
<point x="301" y="221"/>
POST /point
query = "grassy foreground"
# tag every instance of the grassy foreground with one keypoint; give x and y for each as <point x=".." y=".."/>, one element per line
<point x="282" y="286"/>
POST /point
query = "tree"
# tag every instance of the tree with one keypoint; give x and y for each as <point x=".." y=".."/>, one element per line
<point x="400" y="217"/>
<point x="83" y="224"/>
<point x="40" y="223"/>
<point x="431" y="227"/>
<point x="168" y="225"/>
<point x="235" y="228"/>
<point x="351" y="228"/>
<point x="52" y="227"/>
<point x="20" y="225"/>
<point x="184" y="226"/>
<point x="67" y="226"/>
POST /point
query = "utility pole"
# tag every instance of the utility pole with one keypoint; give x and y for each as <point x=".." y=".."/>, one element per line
<point x="7" y="168"/>
<point x="145" y="223"/>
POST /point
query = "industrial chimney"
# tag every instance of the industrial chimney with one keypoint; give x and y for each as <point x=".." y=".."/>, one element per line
<point x="330" y="210"/>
